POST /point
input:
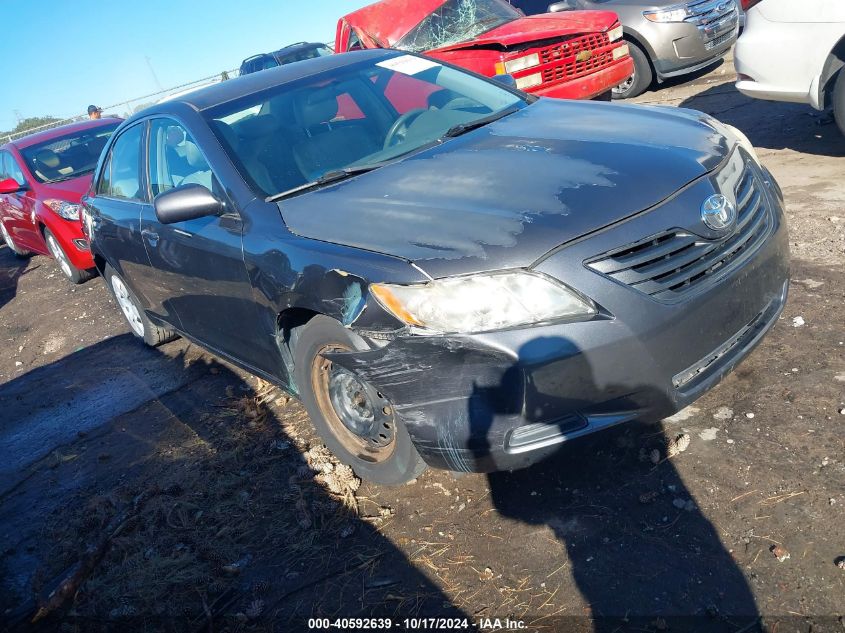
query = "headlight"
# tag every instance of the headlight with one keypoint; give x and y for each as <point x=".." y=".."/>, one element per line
<point x="620" y="51"/>
<point x="670" y="14"/>
<point x="521" y="63"/>
<point x="615" y="34"/>
<point x="64" y="209"/>
<point x="480" y="303"/>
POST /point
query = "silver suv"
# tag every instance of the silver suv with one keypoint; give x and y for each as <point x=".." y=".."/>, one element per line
<point x="666" y="39"/>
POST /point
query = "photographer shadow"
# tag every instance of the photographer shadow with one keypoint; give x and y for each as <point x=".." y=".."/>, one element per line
<point x="642" y="552"/>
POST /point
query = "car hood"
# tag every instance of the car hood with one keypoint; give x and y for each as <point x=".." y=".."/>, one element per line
<point x="541" y="27"/>
<point x="504" y="195"/>
<point x="69" y="190"/>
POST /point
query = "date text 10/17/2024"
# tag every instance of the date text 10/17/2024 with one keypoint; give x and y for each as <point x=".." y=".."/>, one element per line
<point x="416" y="624"/>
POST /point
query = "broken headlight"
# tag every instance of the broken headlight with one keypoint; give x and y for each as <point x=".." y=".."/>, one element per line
<point x="481" y="303"/>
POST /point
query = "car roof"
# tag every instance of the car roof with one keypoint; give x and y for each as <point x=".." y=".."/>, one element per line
<point x="389" y="21"/>
<point x="62" y="130"/>
<point x="246" y="85"/>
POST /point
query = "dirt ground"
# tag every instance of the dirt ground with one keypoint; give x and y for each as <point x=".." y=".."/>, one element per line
<point x="189" y="496"/>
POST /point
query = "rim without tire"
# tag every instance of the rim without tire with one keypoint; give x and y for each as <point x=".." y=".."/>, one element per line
<point x="127" y="305"/>
<point x="6" y="237"/>
<point x="360" y="417"/>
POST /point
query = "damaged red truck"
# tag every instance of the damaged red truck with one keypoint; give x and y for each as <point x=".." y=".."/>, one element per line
<point x="569" y="55"/>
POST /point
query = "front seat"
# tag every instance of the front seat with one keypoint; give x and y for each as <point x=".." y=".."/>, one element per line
<point x="47" y="164"/>
<point x="326" y="146"/>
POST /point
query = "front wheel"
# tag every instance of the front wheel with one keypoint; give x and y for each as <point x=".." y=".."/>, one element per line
<point x="356" y="421"/>
<point x="639" y="82"/>
<point x="152" y="334"/>
<point x="20" y="252"/>
<point x="74" y="274"/>
<point x="839" y="101"/>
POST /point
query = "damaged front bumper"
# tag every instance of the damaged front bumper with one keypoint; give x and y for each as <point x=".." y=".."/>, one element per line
<point x="505" y="400"/>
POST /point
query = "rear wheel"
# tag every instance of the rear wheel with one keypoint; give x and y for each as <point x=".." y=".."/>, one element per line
<point x="355" y="420"/>
<point x="839" y="100"/>
<point x="20" y="252"/>
<point x="74" y="274"/>
<point x="152" y="334"/>
<point x="637" y="83"/>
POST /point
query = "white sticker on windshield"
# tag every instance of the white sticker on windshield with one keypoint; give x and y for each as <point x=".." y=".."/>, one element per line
<point x="408" y="64"/>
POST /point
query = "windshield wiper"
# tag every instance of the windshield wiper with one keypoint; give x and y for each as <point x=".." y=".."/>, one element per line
<point x="326" y="179"/>
<point x="463" y="128"/>
<point x="75" y="174"/>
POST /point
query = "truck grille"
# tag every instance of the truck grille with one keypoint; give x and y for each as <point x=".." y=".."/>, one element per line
<point x="671" y="265"/>
<point x="563" y="57"/>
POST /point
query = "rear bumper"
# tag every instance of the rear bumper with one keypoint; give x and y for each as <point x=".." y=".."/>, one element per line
<point x="505" y="400"/>
<point x="590" y="86"/>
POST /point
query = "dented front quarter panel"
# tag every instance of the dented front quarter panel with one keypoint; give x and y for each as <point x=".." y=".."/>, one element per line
<point x="288" y="272"/>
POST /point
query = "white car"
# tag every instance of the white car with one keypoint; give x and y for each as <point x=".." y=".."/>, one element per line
<point x="794" y="51"/>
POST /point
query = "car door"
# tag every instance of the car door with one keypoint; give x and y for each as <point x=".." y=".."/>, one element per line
<point x="17" y="208"/>
<point x="120" y="194"/>
<point x="197" y="265"/>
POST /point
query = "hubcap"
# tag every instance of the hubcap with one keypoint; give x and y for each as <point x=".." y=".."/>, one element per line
<point x="127" y="305"/>
<point x="59" y="256"/>
<point x="6" y="237"/>
<point x="360" y="417"/>
<point x="625" y="86"/>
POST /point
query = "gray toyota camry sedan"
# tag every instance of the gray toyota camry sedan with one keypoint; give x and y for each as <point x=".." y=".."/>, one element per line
<point x="446" y="271"/>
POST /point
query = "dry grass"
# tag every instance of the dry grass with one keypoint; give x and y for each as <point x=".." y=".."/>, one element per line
<point x="249" y="491"/>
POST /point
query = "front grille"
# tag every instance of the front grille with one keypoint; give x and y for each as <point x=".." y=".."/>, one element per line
<point x="719" y="41"/>
<point x="671" y="265"/>
<point x="712" y="14"/>
<point x="563" y="57"/>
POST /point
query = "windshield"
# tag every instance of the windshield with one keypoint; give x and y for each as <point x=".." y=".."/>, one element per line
<point x="354" y="118"/>
<point x="457" y="21"/>
<point x="301" y="54"/>
<point x="68" y="156"/>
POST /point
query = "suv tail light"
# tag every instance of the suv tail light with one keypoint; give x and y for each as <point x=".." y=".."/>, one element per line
<point x="747" y="4"/>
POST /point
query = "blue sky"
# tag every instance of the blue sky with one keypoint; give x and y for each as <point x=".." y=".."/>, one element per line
<point x="61" y="56"/>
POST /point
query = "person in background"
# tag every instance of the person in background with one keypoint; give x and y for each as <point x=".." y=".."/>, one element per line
<point x="94" y="112"/>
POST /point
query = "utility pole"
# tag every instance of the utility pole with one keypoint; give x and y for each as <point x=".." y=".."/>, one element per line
<point x="152" y="70"/>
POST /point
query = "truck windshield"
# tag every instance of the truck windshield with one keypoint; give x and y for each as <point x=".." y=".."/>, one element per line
<point x="457" y="21"/>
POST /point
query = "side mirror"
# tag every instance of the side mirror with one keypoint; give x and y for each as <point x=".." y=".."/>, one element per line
<point x="10" y="185"/>
<point x="506" y="80"/>
<point x="564" y="5"/>
<point x="187" y="202"/>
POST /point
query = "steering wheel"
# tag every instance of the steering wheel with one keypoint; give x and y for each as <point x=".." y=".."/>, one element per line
<point x="400" y="126"/>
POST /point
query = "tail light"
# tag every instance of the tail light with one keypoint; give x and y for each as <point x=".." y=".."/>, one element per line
<point x="747" y="4"/>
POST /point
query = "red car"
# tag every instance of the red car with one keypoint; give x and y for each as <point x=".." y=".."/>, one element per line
<point x="569" y="55"/>
<point x="42" y="178"/>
